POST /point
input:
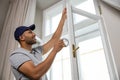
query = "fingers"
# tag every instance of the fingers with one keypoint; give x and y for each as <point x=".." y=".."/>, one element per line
<point x="59" y="45"/>
<point x="65" y="10"/>
<point x="62" y="43"/>
<point x="64" y="13"/>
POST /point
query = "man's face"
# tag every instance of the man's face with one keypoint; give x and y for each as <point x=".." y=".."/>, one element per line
<point x="29" y="37"/>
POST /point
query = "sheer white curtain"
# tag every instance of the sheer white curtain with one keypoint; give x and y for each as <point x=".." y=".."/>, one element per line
<point x="21" y="12"/>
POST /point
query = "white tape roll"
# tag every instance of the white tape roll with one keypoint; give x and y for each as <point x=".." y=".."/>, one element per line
<point x="66" y="41"/>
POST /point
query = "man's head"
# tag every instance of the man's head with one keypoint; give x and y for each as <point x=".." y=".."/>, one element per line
<point x="22" y="31"/>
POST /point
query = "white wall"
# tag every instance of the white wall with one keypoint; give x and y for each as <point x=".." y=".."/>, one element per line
<point x="112" y="21"/>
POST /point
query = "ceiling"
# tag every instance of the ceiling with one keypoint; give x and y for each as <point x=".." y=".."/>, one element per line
<point x="43" y="4"/>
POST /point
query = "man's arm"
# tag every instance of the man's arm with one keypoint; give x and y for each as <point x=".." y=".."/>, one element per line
<point x="36" y="72"/>
<point x="56" y="35"/>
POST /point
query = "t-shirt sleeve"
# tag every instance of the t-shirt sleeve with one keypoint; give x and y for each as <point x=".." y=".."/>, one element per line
<point x="17" y="60"/>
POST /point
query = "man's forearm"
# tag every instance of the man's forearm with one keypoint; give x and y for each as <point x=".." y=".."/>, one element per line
<point x="43" y="67"/>
<point x="58" y="31"/>
<point x="56" y="35"/>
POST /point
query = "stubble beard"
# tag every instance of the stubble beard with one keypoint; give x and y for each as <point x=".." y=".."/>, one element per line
<point x="31" y="42"/>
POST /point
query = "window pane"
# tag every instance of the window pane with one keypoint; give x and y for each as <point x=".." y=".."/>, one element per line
<point x="61" y="66"/>
<point x="78" y="18"/>
<point x="86" y="5"/>
<point x="55" y="22"/>
<point x="92" y="60"/>
<point x="52" y="17"/>
<point x="47" y="29"/>
<point x="56" y="70"/>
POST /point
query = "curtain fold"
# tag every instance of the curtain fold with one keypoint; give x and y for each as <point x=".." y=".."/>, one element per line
<point x="21" y="12"/>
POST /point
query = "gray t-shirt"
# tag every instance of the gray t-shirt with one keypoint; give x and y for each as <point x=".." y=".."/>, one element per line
<point x="20" y="56"/>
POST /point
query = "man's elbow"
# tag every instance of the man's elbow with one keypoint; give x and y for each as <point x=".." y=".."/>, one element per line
<point x="36" y="76"/>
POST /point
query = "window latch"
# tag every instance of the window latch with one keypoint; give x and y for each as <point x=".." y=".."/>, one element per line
<point x="74" y="50"/>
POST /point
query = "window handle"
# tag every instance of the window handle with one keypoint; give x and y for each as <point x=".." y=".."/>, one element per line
<point x="74" y="50"/>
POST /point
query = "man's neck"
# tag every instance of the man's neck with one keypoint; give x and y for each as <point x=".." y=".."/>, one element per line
<point x="27" y="47"/>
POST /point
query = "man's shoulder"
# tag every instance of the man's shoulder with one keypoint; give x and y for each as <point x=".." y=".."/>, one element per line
<point x="18" y="51"/>
<point x="19" y="54"/>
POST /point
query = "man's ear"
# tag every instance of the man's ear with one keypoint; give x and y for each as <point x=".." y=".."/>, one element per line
<point x="22" y="38"/>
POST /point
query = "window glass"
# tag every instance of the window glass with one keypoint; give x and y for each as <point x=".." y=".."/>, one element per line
<point x="52" y="17"/>
<point x="86" y="5"/>
<point x="55" y="22"/>
<point x="61" y="67"/>
<point x="92" y="60"/>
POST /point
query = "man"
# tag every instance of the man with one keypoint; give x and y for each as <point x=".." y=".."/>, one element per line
<point x="26" y="62"/>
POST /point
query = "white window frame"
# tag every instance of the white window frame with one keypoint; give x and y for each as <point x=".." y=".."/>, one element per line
<point x="107" y="48"/>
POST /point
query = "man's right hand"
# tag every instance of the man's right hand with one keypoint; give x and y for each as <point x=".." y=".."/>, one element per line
<point x="59" y="45"/>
